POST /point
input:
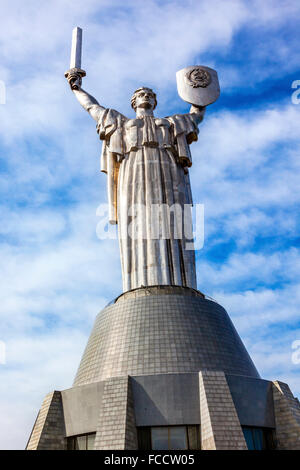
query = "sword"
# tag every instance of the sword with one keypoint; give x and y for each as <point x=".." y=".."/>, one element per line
<point x="75" y="62"/>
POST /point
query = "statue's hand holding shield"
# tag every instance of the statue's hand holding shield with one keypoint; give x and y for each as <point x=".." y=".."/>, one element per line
<point x="198" y="85"/>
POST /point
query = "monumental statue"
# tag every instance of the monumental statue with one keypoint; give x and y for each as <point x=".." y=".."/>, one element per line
<point x="164" y="367"/>
<point x="147" y="161"/>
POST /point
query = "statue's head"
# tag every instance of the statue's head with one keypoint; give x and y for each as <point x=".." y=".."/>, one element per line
<point x="143" y="98"/>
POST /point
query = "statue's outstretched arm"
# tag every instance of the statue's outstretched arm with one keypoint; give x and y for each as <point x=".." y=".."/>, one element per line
<point x="198" y="112"/>
<point x="87" y="101"/>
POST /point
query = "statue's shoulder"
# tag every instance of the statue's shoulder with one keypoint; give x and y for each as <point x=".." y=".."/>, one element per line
<point x="175" y="118"/>
<point x="185" y="119"/>
<point x="109" y="121"/>
<point x="184" y="124"/>
<point x="162" y="122"/>
<point x="178" y="116"/>
<point x="112" y="114"/>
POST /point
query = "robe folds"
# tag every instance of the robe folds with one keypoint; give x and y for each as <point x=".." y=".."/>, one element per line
<point x="146" y="160"/>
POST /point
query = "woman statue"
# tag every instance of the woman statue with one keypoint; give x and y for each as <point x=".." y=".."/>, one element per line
<point x="146" y="160"/>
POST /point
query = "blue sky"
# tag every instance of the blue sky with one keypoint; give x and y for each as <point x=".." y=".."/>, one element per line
<point x="56" y="273"/>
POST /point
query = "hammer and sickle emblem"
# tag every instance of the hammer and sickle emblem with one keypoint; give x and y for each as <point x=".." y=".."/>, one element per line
<point x="198" y="77"/>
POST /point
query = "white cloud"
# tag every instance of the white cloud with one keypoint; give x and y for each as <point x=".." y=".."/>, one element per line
<point x="237" y="142"/>
<point x="256" y="268"/>
<point x="32" y="365"/>
<point x="268" y="322"/>
<point x="42" y="271"/>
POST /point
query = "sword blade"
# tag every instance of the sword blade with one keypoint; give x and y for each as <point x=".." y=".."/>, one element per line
<point x="76" y="48"/>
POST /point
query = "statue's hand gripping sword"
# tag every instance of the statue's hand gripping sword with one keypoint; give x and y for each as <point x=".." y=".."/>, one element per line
<point x="75" y="74"/>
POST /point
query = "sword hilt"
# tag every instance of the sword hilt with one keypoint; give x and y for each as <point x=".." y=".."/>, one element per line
<point x="75" y="71"/>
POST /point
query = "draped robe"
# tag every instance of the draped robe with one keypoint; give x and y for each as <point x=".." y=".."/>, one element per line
<point x="146" y="160"/>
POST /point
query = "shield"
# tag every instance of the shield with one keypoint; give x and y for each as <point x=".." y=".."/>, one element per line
<point x="198" y="85"/>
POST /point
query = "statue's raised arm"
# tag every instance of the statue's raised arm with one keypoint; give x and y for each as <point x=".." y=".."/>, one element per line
<point x="87" y="101"/>
<point x="198" y="112"/>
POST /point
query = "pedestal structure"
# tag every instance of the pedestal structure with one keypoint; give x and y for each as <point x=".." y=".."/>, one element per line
<point x="165" y="368"/>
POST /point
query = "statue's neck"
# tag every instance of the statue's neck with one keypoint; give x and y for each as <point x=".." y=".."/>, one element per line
<point x="141" y="112"/>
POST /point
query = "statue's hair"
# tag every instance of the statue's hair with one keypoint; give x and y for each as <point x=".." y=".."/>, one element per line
<point x="133" y="99"/>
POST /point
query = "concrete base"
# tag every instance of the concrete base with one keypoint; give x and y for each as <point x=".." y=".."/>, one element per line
<point x="166" y="356"/>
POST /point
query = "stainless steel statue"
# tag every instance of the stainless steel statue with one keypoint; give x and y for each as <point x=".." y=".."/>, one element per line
<point x="147" y="161"/>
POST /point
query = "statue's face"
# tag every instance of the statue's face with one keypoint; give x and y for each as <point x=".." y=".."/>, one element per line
<point x="145" y="99"/>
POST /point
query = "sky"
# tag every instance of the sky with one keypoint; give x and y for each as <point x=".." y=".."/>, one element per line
<point x="56" y="274"/>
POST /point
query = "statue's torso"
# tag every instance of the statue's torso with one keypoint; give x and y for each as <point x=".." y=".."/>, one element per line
<point x="145" y="160"/>
<point x="149" y="132"/>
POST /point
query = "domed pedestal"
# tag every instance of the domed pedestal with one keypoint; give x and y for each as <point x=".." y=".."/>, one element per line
<point x="164" y="366"/>
<point x="161" y="330"/>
